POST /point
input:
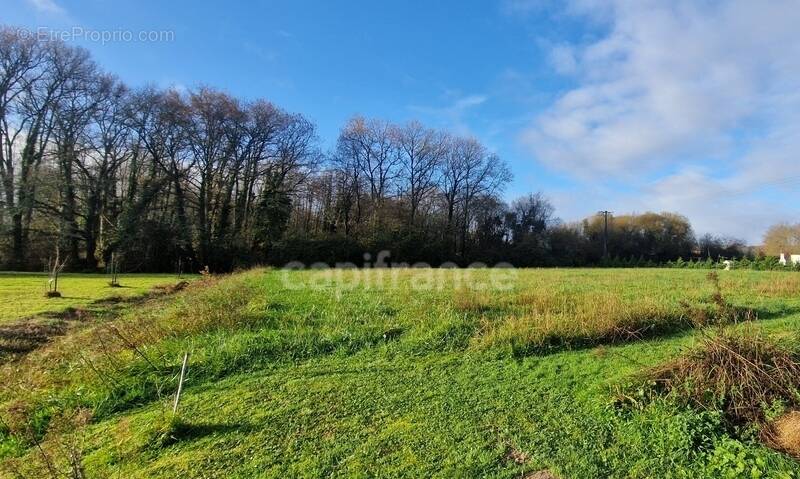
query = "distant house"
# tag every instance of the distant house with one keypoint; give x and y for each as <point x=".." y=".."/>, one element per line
<point x="728" y="264"/>
<point x="789" y="259"/>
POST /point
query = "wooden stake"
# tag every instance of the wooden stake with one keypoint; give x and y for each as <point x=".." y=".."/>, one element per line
<point x="180" y="383"/>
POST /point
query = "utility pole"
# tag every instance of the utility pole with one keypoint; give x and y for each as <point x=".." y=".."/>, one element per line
<point x="605" y="232"/>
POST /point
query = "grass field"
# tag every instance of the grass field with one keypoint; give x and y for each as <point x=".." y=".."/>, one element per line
<point x="409" y="373"/>
<point x="22" y="294"/>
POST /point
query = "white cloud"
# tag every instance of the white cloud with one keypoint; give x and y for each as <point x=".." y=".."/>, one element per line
<point x="736" y="206"/>
<point x="563" y="59"/>
<point x="668" y="77"/>
<point x="454" y="114"/>
<point x="728" y="206"/>
<point x="46" y="6"/>
<point x="701" y="90"/>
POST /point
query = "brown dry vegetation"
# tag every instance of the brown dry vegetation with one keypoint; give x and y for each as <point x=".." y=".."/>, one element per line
<point x="743" y="373"/>
<point x="783" y="433"/>
<point x="543" y="474"/>
<point x="473" y="302"/>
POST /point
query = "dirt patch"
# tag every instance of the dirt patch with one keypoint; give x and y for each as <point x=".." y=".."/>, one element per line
<point x="71" y="314"/>
<point x="155" y="291"/>
<point x="169" y="288"/>
<point x="516" y="456"/>
<point x="24" y="336"/>
<point x="520" y="458"/>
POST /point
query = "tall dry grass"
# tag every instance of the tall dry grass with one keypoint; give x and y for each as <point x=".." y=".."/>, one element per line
<point x="549" y="315"/>
<point x="541" y="320"/>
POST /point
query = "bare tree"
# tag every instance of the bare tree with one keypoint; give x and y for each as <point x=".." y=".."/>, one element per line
<point x="261" y="128"/>
<point x="72" y="110"/>
<point x="107" y="151"/>
<point x="22" y="60"/>
<point x="421" y="152"/>
<point x="160" y="166"/>
<point x="531" y="215"/>
<point x="469" y="171"/>
<point x="213" y="121"/>
<point x="55" y="265"/>
<point x="367" y="148"/>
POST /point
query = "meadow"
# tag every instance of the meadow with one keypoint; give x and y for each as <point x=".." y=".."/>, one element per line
<point x="22" y="294"/>
<point x="398" y="373"/>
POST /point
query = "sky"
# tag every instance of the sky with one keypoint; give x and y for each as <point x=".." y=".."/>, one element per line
<point x="622" y="105"/>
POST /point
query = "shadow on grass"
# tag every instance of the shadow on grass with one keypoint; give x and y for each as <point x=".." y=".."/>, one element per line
<point x="68" y="314"/>
<point x="191" y="432"/>
<point x="277" y="307"/>
<point x="22" y="336"/>
<point x="181" y="431"/>
<point x="776" y="312"/>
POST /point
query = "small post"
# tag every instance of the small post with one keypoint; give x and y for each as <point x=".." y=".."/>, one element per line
<point x="113" y="270"/>
<point x="180" y="383"/>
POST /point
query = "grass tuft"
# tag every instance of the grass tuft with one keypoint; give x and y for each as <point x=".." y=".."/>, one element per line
<point x="742" y="373"/>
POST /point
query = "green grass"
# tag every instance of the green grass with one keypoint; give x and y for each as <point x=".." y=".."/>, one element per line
<point x="388" y="378"/>
<point x="22" y="294"/>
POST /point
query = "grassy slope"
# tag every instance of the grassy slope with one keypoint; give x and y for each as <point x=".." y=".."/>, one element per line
<point x="22" y="294"/>
<point x="392" y="381"/>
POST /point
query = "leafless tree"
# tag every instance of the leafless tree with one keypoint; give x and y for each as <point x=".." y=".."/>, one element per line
<point x="469" y="171"/>
<point x="421" y="152"/>
<point x="22" y="60"/>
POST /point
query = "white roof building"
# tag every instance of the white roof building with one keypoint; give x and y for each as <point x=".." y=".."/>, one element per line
<point x="791" y="258"/>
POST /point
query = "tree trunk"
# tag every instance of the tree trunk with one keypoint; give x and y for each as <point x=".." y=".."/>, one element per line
<point x="69" y="208"/>
<point x="91" y="228"/>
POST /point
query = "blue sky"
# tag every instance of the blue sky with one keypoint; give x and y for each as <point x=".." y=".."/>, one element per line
<point x="624" y="105"/>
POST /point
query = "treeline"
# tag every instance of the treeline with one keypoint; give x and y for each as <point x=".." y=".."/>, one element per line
<point x="159" y="179"/>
